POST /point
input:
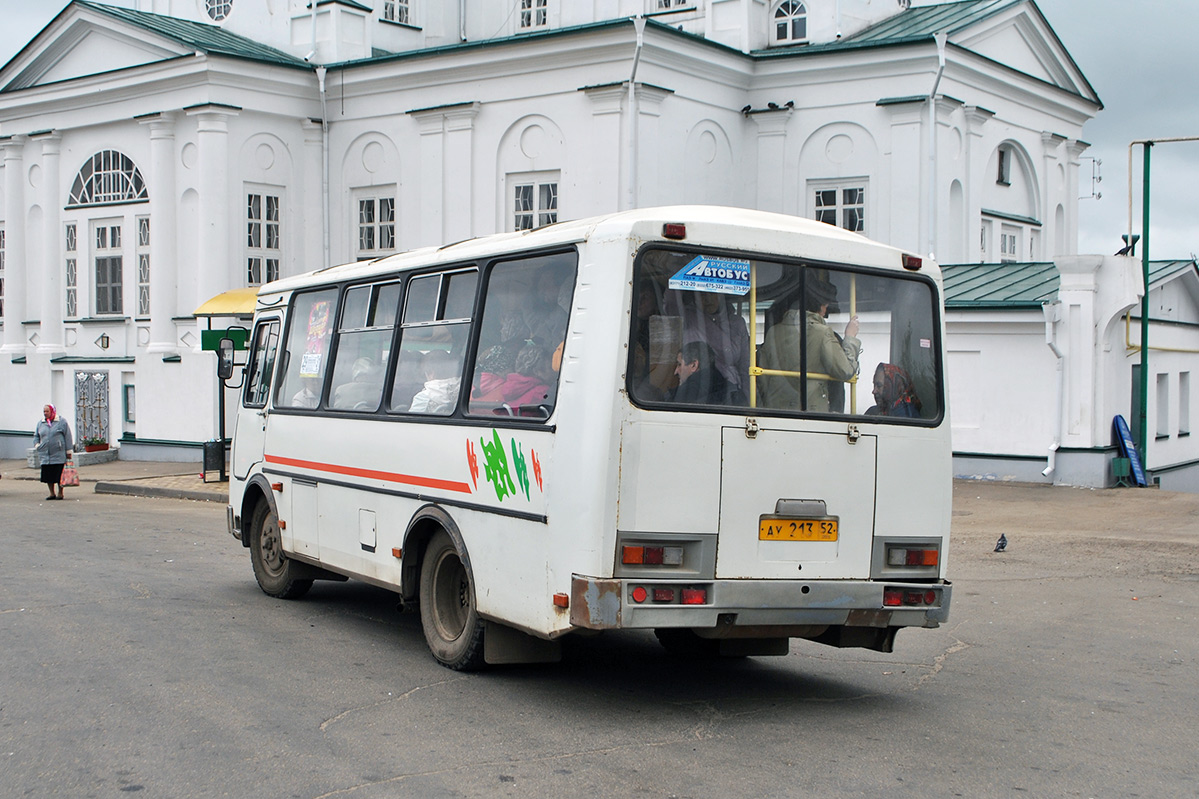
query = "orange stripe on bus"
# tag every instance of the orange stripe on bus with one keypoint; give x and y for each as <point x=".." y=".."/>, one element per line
<point x="373" y="474"/>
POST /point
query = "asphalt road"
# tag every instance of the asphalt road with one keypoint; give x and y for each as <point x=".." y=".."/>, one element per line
<point x="137" y="656"/>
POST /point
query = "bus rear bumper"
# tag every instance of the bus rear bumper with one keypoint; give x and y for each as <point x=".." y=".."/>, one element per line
<point x="768" y="606"/>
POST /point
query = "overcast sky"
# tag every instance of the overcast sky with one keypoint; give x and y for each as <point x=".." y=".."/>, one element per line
<point x="1137" y="55"/>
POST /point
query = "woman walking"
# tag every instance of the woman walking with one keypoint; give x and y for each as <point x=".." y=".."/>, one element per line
<point x="54" y="446"/>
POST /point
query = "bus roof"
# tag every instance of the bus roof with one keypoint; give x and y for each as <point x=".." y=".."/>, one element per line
<point x="645" y="221"/>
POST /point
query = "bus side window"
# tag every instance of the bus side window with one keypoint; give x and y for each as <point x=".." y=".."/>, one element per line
<point x="433" y="335"/>
<point x="364" y="346"/>
<point x="524" y="332"/>
<point x="306" y="358"/>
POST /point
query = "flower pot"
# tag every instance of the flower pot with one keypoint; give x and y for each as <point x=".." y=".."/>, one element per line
<point x="95" y="447"/>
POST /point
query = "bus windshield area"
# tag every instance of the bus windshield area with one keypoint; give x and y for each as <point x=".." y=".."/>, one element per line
<point x="714" y="330"/>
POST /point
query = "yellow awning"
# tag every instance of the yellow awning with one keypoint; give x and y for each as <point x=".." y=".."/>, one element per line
<point x="235" y="302"/>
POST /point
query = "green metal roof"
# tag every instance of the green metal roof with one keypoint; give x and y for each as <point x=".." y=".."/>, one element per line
<point x="1006" y="286"/>
<point x="1027" y="285"/>
<point x="197" y="35"/>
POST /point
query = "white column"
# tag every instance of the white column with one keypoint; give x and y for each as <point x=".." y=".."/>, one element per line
<point x="16" y="269"/>
<point x="164" y="255"/>
<point x="458" y="178"/>
<point x="603" y="170"/>
<point x="214" y="271"/>
<point x="431" y="188"/>
<point x="1074" y="150"/>
<point x="909" y="167"/>
<point x="1050" y="144"/>
<point x="772" y="153"/>
<point x="975" y="118"/>
<point x="51" y="333"/>
<point x="313" y="196"/>
<point x="649" y="111"/>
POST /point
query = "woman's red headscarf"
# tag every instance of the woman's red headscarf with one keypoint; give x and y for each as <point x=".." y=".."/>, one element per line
<point x="53" y="413"/>
<point x="897" y="391"/>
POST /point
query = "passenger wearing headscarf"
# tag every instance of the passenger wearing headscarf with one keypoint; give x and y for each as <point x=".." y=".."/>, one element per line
<point x="54" y="444"/>
<point x="894" y="394"/>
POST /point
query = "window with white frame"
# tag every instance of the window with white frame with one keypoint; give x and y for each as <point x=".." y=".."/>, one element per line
<point x="398" y="11"/>
<point x="109" y="269"/>
<point x="263" y="244"/>
<point x="1004" y="177"/>
<point x="534" y="200"/>
<point x="143" y="266"/>
<point x="107" y="177"/>
<point x="1163" y="405"/>
<point x="376" y="226"/>
<point x="70" y="246"/>
<point x="665" y="4"/>
<point x="218" y="10"/>
<point x="533" y="14"/>
<point x="1009" y="244"/>
<point x="1" y="274"/>
<point x="843" y="206"/>
<point x="790" y="22"/>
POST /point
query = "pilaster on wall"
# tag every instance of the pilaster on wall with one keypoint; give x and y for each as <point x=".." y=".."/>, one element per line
<point x="1052" y="194"/>
<point x="649" y="110"/>
<point x="16" y="269"/>
<point x="446" y="172"/>
<point x="164" y="254"/>
<point x="606" y="170"/>
<point x="216" y="192"/>
<point x="772" y="152"/>
<point x="975" y="158"/>
<point x="51" y="334"/>
<point x="315" y="248"/>
<point x="908" y="161"/>
<point x="1074" y="151"/>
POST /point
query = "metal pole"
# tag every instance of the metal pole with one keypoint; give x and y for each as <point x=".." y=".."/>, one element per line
<point x="1143" y="420"/>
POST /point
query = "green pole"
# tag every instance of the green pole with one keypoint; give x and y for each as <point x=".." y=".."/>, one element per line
<point x="1143" y="421"/>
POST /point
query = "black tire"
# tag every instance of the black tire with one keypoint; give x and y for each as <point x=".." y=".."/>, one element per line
<point x="684" y="643"/>
<point x="275" y="572"/>
<point x="448" y="615"/>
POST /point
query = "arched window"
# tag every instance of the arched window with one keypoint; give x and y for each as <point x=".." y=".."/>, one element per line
<point x="791" y="22"/>
<point x="108" y="177"/>
<point x="218" y="9"/>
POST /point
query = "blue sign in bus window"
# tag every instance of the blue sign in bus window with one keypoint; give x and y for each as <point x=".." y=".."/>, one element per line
<point x="720" y="275"/>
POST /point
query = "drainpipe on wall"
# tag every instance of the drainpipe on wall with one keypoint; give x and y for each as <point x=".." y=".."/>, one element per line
<point x="631" y="196"/>
<point x="940" y="39"/>
<point x="320" y="77"/>
<point x="1053" y="315"/>
<point x="462" y="20"/>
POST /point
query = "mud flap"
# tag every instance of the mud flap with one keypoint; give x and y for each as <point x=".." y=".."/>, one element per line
<point x="503" y="644"/>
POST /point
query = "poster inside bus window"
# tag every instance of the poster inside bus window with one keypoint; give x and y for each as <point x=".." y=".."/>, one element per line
<point x="318" y="331"/>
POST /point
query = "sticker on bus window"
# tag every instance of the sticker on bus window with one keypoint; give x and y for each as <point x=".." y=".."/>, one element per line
<point x="318" y="332"/>
<point x="720" y="275"/>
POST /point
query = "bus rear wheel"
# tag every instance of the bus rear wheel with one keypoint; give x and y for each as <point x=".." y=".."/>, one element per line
<point x="448" y="615"/>
<point x="276" y="573"/>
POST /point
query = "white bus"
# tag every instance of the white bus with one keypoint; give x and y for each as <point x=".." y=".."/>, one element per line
<point x="726" y="426"/>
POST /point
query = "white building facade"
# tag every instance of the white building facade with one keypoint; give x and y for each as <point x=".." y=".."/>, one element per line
<point x="156" y="156"/>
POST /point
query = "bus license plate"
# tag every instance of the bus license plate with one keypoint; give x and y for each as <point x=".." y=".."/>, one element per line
<point x="776" y="529"/>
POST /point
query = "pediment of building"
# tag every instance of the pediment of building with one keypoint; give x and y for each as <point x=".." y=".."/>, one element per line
<point x="1019" y="37"/>
<point x="78" y="44"/>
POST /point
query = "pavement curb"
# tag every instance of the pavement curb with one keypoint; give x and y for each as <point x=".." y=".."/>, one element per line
<point x="132" y="489"/>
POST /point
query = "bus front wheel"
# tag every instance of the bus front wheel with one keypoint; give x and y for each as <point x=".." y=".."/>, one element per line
<point x="275" y="572"/>
<point x="448" y="616"/>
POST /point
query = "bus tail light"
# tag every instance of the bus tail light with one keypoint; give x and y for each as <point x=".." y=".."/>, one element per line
<point x="912" y="262"/>
<point x="895" y="597"/>
<point x="695" y="596"/>
<point x="913" y="556"/>
<point x="651" y="556"/>
<point x="674" y="230"/>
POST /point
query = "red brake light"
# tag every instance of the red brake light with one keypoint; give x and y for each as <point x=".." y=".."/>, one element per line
<point x="674" y="230"/>
<point x="695" y="596"/>
<point x="663" y="594"/>
<point x="912" y="262"/>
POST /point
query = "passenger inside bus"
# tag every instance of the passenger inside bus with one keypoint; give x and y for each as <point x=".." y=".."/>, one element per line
<point x="442" y="379"/>
<point x="363" y="390"/>
<point x="308" y="395"/>
<point x="827" y="353"/>
<point x="497" y="361"/>
<point x="409" y="379"/>
<point x="529" y="384"/>
<point x="545" y="316"/>
<point x="700" y="382"/>
<point x="894" y="394"/>
<point x="711" y="318"/>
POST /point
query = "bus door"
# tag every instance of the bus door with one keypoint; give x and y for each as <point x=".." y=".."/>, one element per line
<point x="250" y="431"/>
<point x="796" y="505"/>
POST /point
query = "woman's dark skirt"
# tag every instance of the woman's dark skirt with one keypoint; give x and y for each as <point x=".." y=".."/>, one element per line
<point x="52" y="473"/>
